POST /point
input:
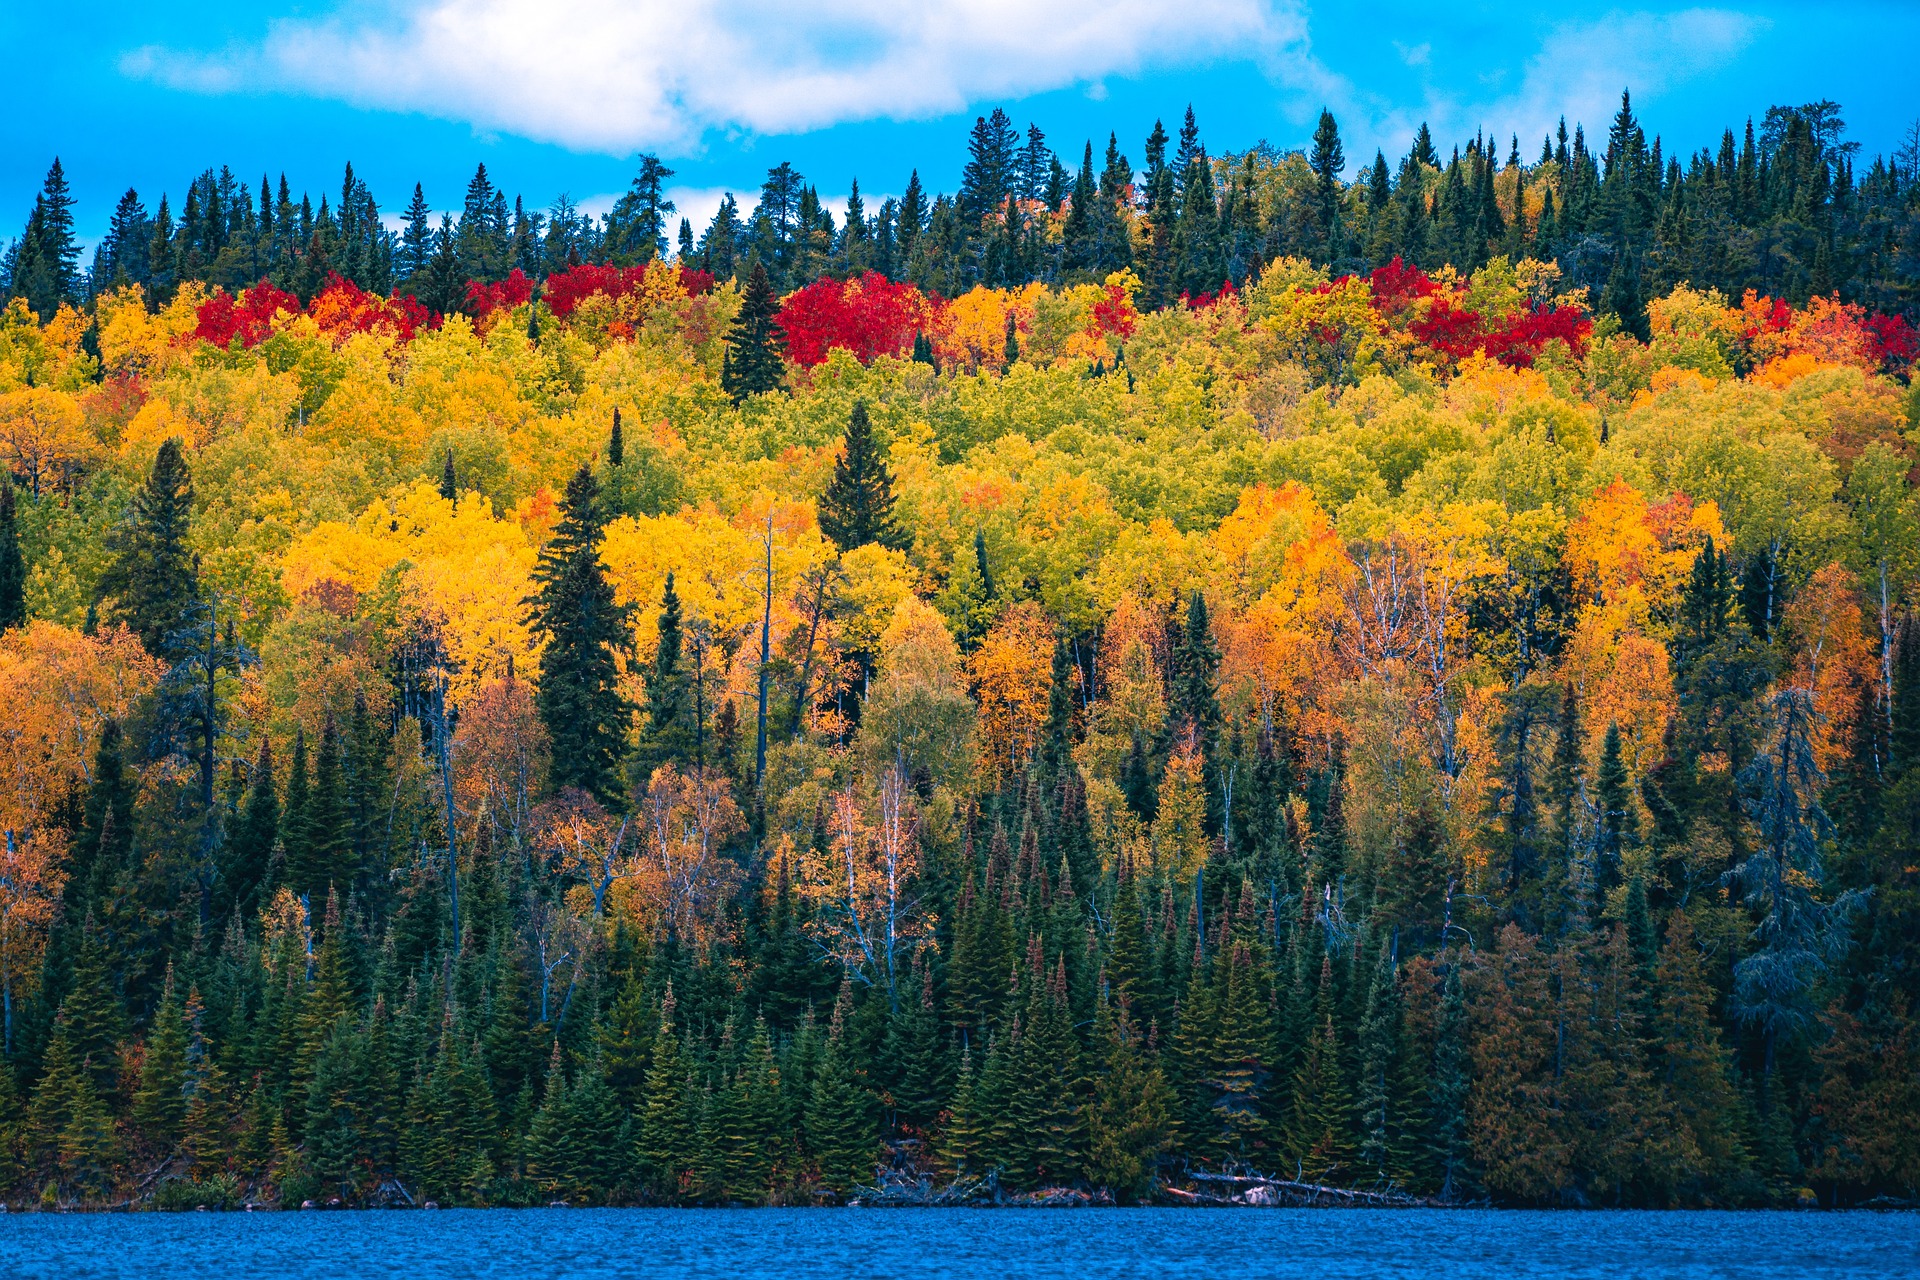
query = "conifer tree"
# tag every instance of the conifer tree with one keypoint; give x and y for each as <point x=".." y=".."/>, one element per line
<point x="1387" y="1106"/>
<point x="1448" y="1143"/>
<point x="296" y="818"/>
<point x="152" y="580"/>
<point x="579" y="698"/>
<point x="13" y="570"/>
<point x="1131" y="1115"/>
<point x="670" y="733"/>
<point x="857" y="507"/>
<point x="1321" y="1126"/>
<point x="755" y="344"/>
<point x="448" y="489"/>
<point x="665" y="1139"/>
<point x="839" y="1122"/>
<point x="250" y="845"/>
<point x="160" y="1100"/>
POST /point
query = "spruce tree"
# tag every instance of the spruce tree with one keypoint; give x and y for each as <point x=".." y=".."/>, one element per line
<point x="152" y="580"/>
<point x="13" y="570"/>
<point x="1320" y="1134"/>
<point x="839" y="1120"/>
<point x="670" y="732"/>
<point x="663" y="1148"/>
<point x="857" y="507"/>
<point x="448" y="488"/>
<point x="579" y="698"/>
<point x="755" y="344"/>
<point x="160" y="1100"/>
<point x="250" y="844"/>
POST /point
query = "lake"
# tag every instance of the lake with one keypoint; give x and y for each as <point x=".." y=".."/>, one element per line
<point x="964" y="1244"/>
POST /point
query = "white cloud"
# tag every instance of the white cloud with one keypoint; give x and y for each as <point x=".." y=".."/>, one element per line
<point x="615" y="75"/>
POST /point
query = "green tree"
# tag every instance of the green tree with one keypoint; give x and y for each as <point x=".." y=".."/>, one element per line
<point x="13" y="570"/>
<point x="754" y="361"/>
<point x="152" y="579"/>
<point x="857" y="507"/>
<point x="160" y="1100"/>
<point x="579" y="698"/>
<point x="839" y="1121"/>
<point x="1130" y="1119"/>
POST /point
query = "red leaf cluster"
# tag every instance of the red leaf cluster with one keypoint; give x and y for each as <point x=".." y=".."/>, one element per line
<point x="1200" y="301"/>
<point x="502" y="295"/>
<point x="695" y="281"/>
<point x="871" y="316"/>
<point x="1515" y="340"/>
<point x="1397" y="286"/>
<point x="1893" y="341"/>
<point x="341" y="308"/>
<point x="249" y="317"/>
<point x="575" y="285"/>
<point x="344" y="308"/>
<point x="1114" y="315"/>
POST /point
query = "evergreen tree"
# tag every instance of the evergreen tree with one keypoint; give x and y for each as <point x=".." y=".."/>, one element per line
<point x="579" y="696"/>
<point x="755" y="344"/>
<point x="857" y="507"/>
<point x="13" y="570"/>
<point x="670" y="731"/>
<point x="160" y="1100"/>
<point x="839" y="1122"/>
<point x="152" y="580"/>
<point x="1320" y="1134"/>
<point x="1448" y="1143"/>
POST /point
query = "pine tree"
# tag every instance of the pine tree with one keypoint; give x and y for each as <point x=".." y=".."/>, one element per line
<point x="160" y="1100"/>
<point x="1194" y="707"/>
<point x="1387" y="1109"/>
<point x="857" y="507"/>
<point x="296" y="819"/>
<point x="1448" y="1142"/>
<point x="579" y="696"/>
<point x="1320" y="1132"/>
<point x="839" y="1123"/>
<point x="448" y="489"/>
<point x="13" y="570"/>
<point x="152" y="580"/>
<point x="1131" y="1123"/>
<point x="664" y="1146"/>
<point x="1048" y="1124"/>
<point x="670" y="732"/>
<point x="755" y="344"/>
<point x="250" y="845"/>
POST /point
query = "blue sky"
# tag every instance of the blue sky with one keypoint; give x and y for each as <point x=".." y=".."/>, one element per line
<point x="558" y="95"/>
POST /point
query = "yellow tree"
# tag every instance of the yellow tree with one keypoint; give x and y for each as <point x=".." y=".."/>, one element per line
<point x="43" y="437"/>
<point x="1012" y="672"/>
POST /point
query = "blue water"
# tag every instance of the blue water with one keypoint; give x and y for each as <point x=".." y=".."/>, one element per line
<point x="966" y="1245"/>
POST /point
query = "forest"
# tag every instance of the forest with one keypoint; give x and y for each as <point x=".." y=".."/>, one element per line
<point x="1402" y="678"/>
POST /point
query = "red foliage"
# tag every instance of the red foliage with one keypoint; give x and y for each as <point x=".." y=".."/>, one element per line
<point x="249" y="317"/>
<point x="1201" y="301"/>
<point x="696" y="282"/>
<point x="1397" y="286"/>
<point x="502" y="295"/>
<point x="344" y="308"/>
<point x="1114" y="314"/>
<point x="1773" y="315"/>
<point x="341" y="308"/>
<point x="1515" y="340"/>
<point x="570" y="288"/>
<point x="1518" y="339"/>
<point x="870" y="317"/>
<point x="1453" y="333"/>
<point x="1893" y="341"/>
